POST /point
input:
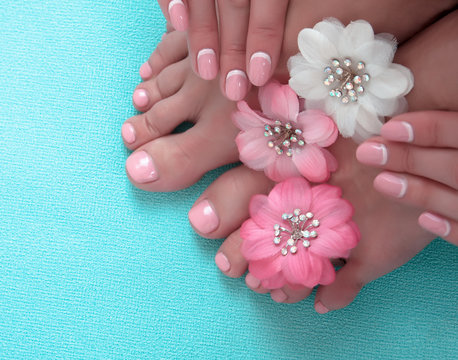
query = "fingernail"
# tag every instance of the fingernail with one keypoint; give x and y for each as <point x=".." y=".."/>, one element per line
<point x="278" y="295"/>
<point x="391" y="184"/>
<point x="178" y="15"/>
<point x="140" y="98"/>
<point x="397" y="131"/>
<point x="252" y="282"/>
<point x="236" y="85"/>
<point x="206" y="64"/>
<point x="140" y="167"/>
<point x="435" y="224"/>
<point x="372" y="153"/>
<point x="320" y="308"/>
<point x="128" y="133"/>
<point x="260" y="64"/>
<point x="222" y="262"/>
<point x="145" y="71"/>
<point x="203" y="217"/>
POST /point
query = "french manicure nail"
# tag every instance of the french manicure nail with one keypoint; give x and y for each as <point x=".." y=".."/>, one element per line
<point x="434" y="224"/>
<point x="252" y="282"/>
<point x="140" y="98"/>
<point x="391" y="184"/>
<point x="236" y="85"/>
<point x="140" y="167"/>
<point x="203" y="217"/>
<point x="260" y="65"/>
<point x="178" y="15"/>
<point x="222" y="262"/>
<point x="206" y="64"/>
<point x="278" y="295"/>
<point x="320" y="308"/>
<point x="372" y="153"/>
<point x="397" y="131"/>
<point x="128" y="133"/>
<point x="145" y="71"/>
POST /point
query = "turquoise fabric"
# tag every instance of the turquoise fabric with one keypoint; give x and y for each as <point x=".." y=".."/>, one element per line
<point x="91" y="268"/>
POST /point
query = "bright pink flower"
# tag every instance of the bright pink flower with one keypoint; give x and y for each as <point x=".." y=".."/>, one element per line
<point x="283" y="141"/>
<point x="293" y="232"/>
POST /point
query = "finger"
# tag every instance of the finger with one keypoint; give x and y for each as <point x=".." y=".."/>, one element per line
<point x="234" y="16"/>
<point x="439" y="164"/>
<point x="203" y="38"/>
<point x="164" y="5"/>
<point x="177" y="13"/>
<point x="421" y="192"/>
<point x="443" y="227"/>
<point x="425" y="128"/>
<point x="171" y="49"/>
<point x="265" y="34"/>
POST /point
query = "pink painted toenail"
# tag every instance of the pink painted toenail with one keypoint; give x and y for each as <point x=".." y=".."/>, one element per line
<point x="260" y="65"/>
<point x="278" y="295"/>
<point x="222" y="262"/>
<point x="178" y="15"/>
<point x="203" y="217"/>
<point x="128" y="133"/>
<point x="236" y="85"/>
<point x="206" y="64"/>
<point x="140" y="167"/>
<point x="140" y="98"/>
<point x="252" y="282"/>
<point x="320" y="308"/>
<point x="434" y="224"/>
<point x="146" y="71"/>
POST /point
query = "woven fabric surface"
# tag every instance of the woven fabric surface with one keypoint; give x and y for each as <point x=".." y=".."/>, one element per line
<point x="92" y="268"/>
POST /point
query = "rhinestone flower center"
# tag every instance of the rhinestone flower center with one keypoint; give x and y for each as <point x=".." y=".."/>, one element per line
<point x="346" y="79"/>
<point x="302" y="231"/>
<point x="283" y="137"/>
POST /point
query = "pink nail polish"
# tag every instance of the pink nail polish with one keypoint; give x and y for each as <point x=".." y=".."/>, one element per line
<point x="320" y="308"/>
<point x="397" y="131"/>
<point x="222" y="262"/>
<point x="252" y="282"/>
<point x="278" y="295"/>
<point x="178" y="15"/>
<point x="434" y="224"/>
<point x="128" y="133"/>
<point x="140" y="98"/>
<point x="391" y="184"/>
<point x="236" y="85"/>
<point x="145" y="71"/>
<point x="372" y="153"/>
<point x="203" y="217"/>
<point x="206" y="64"/>
<point x="260" y="65"/>
<point x="140" y="167"/>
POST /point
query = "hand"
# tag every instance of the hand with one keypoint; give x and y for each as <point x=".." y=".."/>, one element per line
<point x="421" y="151"/>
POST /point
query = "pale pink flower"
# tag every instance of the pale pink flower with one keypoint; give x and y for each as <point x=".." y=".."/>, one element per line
<point x="283" y="141"/>
<point x="295" y="231"/>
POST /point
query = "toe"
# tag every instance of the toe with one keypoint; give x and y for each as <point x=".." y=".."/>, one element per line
<point x="229" y="259"/>
<point x="289" y="294"/>
<point x="255" y="284"/>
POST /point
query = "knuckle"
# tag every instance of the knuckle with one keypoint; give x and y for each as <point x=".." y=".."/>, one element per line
<point x="409" y="160"/>
<point x="265" y="31"/>
<point x="151" y="125"/>
<point x="238" y="4"/>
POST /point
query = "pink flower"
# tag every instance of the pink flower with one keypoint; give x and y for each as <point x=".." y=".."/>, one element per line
<point x="283" y="141"/>
<point x="294" y="231"/>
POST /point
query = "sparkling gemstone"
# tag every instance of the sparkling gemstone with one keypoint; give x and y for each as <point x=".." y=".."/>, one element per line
<point x="286" y="143"/>
<point x="301" y="142"/>
<point x="293" y="138"/>
<point x="277" y="122"/>
<point x="277" y="232"/>
<point x="277" y="129"/>
<point x="361" y="65"/>
<point x="328" y="70"/>
<point x="284" y="251"/>
<point x="353" y="98"/>
<point x="278" y="150"/>
<point x="332" y="93"/>
<point x="366" y="77"/>
<point x="335" y="62"/>
<point x="349" y="86"/>
<point x="276" y="227"/>
<point x="347" y="62"/>
<point x="298" y="131"/>
<point x="338" y="93"/>
<point x="284" y="216"/>
<point x="266" y="134"/>
<point x="294" y="219"/>
<point x="302" y="217"/>
<point x="290" y="242"/>
<point x="315" y="223"/>
<point x="352" y="93"/>
<point x="297" y="212"/>
<point x="277" y="240"/>
<point x="306" y="233"/>
<point x="288" y="126"/>
<point x="313" y="234"/>
<point x="289" y="153"/>
<point x="270" y="144"/>
<point x="293" y="249"/>
<point x="290" y="216"/>
<point x="309" y="215"/>
<point x="357" y="79"/>
<point x="326" y="82"/>
<point x="306" y="243"/>
<point x="339" y="71"/>
<point x="267" y="127"/>
<point x="360" y="89"/>
<point x="345" y="100"/>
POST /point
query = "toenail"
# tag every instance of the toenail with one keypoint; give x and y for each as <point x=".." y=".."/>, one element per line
<point x="140" y="98"/>
<point x="128" y="133"/>
<point x="203" y="217"/>
<point x="146" y="71"/>
<point x="236" y="85"/>
<point x="140" y="167"/>
<point x="222" y="262"/>
<point x="206" y="64"/>
<point x="260" y="65"/>
<point x="178" y="15"/>
<point x="320" y="308"/>
<point x="278" y="295"/>
<point x="252" y="282"/>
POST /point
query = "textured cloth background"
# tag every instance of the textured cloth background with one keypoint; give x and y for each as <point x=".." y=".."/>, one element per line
<point x="92" y="268"/>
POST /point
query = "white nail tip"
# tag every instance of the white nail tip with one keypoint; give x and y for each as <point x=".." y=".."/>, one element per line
<point x="235" y="72"/>
<point x="175" y="2"/>
<point x="409" y="130"/>
<point x="206" y="52"/>
<point x="261" y="54"/>
<point x="384" y="154"/>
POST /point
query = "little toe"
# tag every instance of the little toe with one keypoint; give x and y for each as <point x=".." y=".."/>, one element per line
<point x="229" y="259"/>
<point x="255" y="284"/>
<point x="289" y="294"/>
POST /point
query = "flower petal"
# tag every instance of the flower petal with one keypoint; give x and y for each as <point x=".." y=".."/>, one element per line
<point x="303" y="268"/>
<point x="332" y="212"/>
<point x="368" y="123"/>
<point x="331" y="28"/>
<point x="257" y="242"/>
<point x="294" y="193"/>
<point x="324" y="192"/>
<point x="275" y="282"/>
<point x="345" y="118"/>
<point x="328" y="274"/>
<point x="281" y="168"/>
<point x="380" y="52"/>
<point x="309" y="84"/>
<point x="334" y="243"/>
<point x="266" y="268"/>
<point x="246" y="118"/>
<point x="316" y="47"/>
<point x="317" y="127"/>
<point x="262" y="214"/>
<point x="311" y="163"/>
<point x="331" y="161"/>
<point x="354" y="35"/>
<point x="286" y="104"/>
<point x="394" y="81"/>
<point x="253" y="149"/>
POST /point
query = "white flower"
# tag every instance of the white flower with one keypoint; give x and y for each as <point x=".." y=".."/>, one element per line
<point x="348" y="73"/>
